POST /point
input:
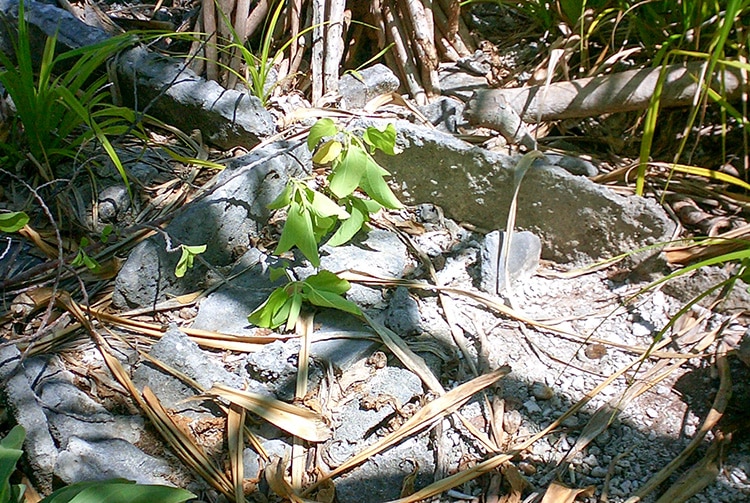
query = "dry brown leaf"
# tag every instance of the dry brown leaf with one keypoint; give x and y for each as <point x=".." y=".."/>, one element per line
<point x="407" y="486"/>
<point x="517" y="484"/>
<point x="183" y="445"/>
<point x="277" y="482"/>
<point x="697" y="478"/>
<point x="558" y="492"/>
<point x="326" y="492"/>
<point x="290" y="418"/>
<point x="236" y="447"/>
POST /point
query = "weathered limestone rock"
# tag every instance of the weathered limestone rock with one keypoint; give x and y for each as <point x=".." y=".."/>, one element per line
<point x="226" y="221"/>
<point x="46" y="21"/>
<point x="165" y="88"/>
<point x="369" y="83"/>
<point x="577" y="220"/>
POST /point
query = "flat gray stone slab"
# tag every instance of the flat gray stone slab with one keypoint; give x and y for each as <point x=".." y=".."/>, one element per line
<point x="577" y="220"/>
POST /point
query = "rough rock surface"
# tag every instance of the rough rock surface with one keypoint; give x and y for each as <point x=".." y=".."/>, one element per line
<point x="577" y="220"/>
<point x="226" y="220"/>
<point x="373" y="81"/>
<point x="165" y="88"/>
<point x="46" y="21"/>
<point x="68" y="434"/>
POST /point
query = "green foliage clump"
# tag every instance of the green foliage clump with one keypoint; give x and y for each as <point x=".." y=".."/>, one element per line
<point x="337" y="210"/>
<point x="58" y="113"/>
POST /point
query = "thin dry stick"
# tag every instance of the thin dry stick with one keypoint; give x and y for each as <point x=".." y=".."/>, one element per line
<point x="376" y="11"/>
<point x="334" y="46"/>
<point x="211" y="49"/>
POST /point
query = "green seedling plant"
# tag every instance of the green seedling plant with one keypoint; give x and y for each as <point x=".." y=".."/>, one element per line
<point x="259" y="66"/>
<point x="337" y="210"/>
<point x="110" y="491"/>
<point x="58" y="113"/>
<point x="187" y="259"/>
<point x="83" y="259"/>
<point x="13" y="221"/>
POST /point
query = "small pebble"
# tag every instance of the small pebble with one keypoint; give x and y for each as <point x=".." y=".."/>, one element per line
<point x="570" y="422"/>
<point x="652" y="413"/>
<point x="531" y="406"/>
<point x="578" y="383"/>
<point x="591" y="460"/>
<point x="541" y="391"/>
<point x="599" y="472"/>
<point x="527" y="468"/>
<point x="641" y="330"/>
<point x="595" y="351"/>
<point x="511" y="422"/>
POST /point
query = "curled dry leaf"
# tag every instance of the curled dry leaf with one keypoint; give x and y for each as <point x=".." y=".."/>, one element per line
<point x="300" y="422"/>
<point x="558" y="492"/>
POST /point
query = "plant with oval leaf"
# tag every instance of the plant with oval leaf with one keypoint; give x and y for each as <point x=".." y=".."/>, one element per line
<point x="355" y="189"/>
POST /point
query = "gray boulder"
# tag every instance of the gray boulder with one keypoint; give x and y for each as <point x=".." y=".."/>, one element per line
<point x="166" y="88"/>
<point x="45" y="21"/>
<point x="577" y="220"/>
<point x="369" y="83"/>
<point x="226" y="220"/>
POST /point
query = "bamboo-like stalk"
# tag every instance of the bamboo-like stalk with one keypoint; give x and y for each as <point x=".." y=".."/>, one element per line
<point x="318" y="49"/>
<point x="423" y="43"/>
<point x="334" y="46"/>
<point x="376" y="10"/>
<point x="453" y="11"/>
<point x="197" y="53"/>
<point x="242" y="10"/>
<point x="296" y="49"/>
<point x="444" y="25"/>
<point x="211" y="49"/>
<point x="404" y="54"/>
<point x="257" y="17"/>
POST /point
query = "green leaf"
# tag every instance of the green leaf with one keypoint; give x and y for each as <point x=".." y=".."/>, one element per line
<point x="324" y="206"/>
<point x="106" y="232"/>
<point x="13" y="221"/>
<point x="294" y="309"/>
<point x="187" y="258"/>
<point x="323" y="298"/>
<point x="282" y="313"/>
<point x="276" y="273"/>
<point x="298" y="231"/>
<point x="376" y="187"/>
<point x="349" y="227"/>
<point x="321" y="129"/>
<point x="384" y="140"/>
<point x="326" y="280"/>
<point x="284" y="198"/>
<point x="10" y="453"/>
<point x="347" y="174"/>
<point x="328" y="152"/>
<point x="117" y="491"/>
<point x="322" y="226"/>
<point x="264" y="314"/>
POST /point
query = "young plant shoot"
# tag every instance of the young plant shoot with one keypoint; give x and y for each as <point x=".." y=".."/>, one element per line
<point x="338" y="210"/>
